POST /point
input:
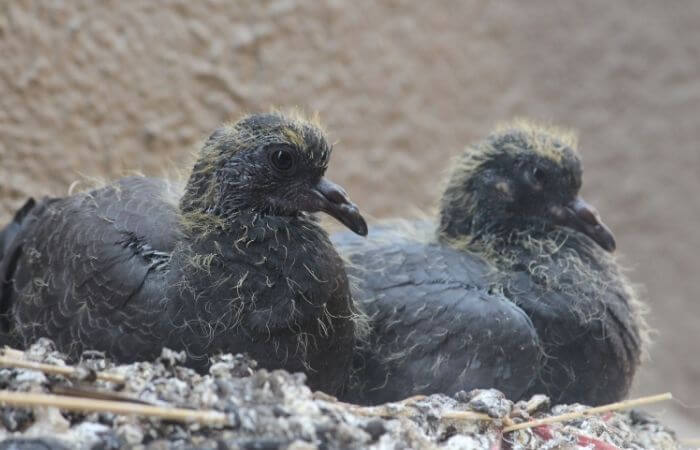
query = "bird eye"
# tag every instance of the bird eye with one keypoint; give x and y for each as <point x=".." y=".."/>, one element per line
<point x="282" y="159"/>
<point x="538" y="174"/>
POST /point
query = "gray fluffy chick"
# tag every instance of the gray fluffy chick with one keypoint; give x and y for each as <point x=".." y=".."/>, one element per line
<point x="515" y="287"/>
<point x="236" y="264"/>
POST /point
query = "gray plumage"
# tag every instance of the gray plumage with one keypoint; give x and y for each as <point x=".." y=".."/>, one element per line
<point x="438" y="322"/>
<point x="236" y="265"/>
<point x="513" y="240"/>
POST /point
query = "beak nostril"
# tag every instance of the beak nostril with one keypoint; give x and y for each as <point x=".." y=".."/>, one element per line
<point x="585" y="218"/>
<point x="332" y="192"/>
<point x="586" y="212"/>
<point x="588" y="216"/>
<point x="333" y="200"/>
<point x="337" y="196"/>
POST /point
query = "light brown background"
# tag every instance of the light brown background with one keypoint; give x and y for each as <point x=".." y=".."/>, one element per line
<point x="99" y="87"/>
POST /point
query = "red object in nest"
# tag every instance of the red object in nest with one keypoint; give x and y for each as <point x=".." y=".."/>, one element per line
<point x="597" y="443"/>
<point x="544" y="431"/>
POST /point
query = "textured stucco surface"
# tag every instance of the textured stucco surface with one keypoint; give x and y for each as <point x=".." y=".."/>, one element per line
<point x="98" y="88"/>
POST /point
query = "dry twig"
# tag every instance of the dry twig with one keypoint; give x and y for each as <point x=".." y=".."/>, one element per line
<point x="396" y="409"/>
<point x="56" y="370"/>
<point x="98" y="394"/>
<point x="30" y="399"/>
<point x="590" y="411"/>
<point x="12" y="353"/>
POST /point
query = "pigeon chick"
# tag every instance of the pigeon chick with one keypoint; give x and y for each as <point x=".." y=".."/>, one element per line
<point x="525" y="237"/>
<point x="235" y="264"/>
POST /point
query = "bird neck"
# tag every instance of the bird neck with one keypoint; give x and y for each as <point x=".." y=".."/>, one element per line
<point x="276" y="247"/>
<point x="208" y="201"/>
<point x="203" y="213"/>
<point x="547" y="253"/>
<point x="467" y="218"/>
<point x="475" y="211"/>
<point x="270" y="275"/>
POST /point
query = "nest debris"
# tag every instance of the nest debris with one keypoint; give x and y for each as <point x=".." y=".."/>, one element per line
<point x="161" y="404"/>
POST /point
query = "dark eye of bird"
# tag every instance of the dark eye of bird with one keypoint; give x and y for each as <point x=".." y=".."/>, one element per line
<point x="282" y="159"/>
<point x="538" y="174"/>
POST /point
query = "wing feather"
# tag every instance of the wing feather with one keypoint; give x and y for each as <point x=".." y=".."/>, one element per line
<point x="91" y="264"/>
<point x="436" y="325"/>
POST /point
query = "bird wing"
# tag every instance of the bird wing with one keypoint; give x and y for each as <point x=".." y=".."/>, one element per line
<point x="588" y="332"/>
<point x="83" y="266"/>
<point x="436" y="324"/>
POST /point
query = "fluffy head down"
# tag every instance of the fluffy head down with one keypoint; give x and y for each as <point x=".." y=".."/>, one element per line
<point x="513" y="198"/>
<point x="265" y="164"/>
<point x="521" y="177"/>
<point x="239" y="141"/>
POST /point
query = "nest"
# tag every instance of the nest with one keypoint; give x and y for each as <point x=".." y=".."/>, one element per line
<point x="162" y="404"/>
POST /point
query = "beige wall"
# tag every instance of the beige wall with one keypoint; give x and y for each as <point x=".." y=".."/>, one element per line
<point x="99" y="87"/>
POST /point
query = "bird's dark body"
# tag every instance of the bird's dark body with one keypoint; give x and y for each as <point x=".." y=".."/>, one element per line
<point x="445" y="320"/>
<point x="85" y="270"/>
<point x="438" y="323"/>
<point x="114" y="270"/>
<point x="513" y="239"/>
<point x="580" y="306"/>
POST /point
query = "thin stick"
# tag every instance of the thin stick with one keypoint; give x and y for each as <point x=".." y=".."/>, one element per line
<point x="386" y="410"/>
<point x="471" y="415"/>
<point x="466" y="415"/>
<point x="12" y="353"/>
<point x="98" y="394"/>
<point x="27" y="399"/>
<point x="57" y="370"/>
<point x="590" y="411"/>
<point x="376" y="411"/>
<point x="413" y="399"/>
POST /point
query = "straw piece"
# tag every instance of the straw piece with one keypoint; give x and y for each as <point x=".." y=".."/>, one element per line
<point x="98" y="394"/>
<point x="466" y="415"/>
<point x="27" y="399"/>
<point x="56" y="370"/>
<point x="386" y="410"/>
<point x="377" y="411"/>
<point x="12" y="353"/>
<point x="413" y="399"/>
<point x="590" y="411"/>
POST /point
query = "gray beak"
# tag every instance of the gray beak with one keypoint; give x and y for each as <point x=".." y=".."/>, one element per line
<point x="334" y="201"/>
<point x="583" y="217"/>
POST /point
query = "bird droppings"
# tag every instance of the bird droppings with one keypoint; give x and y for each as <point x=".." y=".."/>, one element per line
<point x="276" y="410"/>
<point x="488" y="401"/>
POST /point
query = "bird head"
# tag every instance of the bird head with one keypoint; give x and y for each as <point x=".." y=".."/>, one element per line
<point x="269" y="164"/>
<point x="521" y="177"/>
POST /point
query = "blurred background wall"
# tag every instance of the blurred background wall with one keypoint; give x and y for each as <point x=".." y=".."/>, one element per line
<point x="101" y="87"/>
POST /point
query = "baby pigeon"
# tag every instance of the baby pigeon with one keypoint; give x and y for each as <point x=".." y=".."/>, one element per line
<point x="514" y="288"/>
<point x="235" y="264"/>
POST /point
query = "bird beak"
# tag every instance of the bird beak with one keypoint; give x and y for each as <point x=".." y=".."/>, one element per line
<point x="582" y="217"/>
<point x="333" y="200"/>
